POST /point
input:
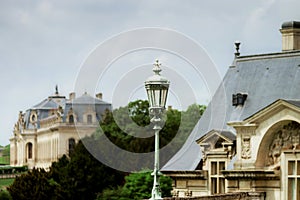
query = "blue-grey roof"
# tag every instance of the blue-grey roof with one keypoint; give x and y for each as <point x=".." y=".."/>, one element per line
<point x="264" y="78"/>
<point x="87" y="99"/>
<point x="80" y="106"/>
<point x="46" y="104"/>
<point x="294" y="102"/>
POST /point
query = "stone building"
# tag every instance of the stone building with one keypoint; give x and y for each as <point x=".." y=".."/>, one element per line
<point x="249" y="136"/>
<point x="50" y="129"/>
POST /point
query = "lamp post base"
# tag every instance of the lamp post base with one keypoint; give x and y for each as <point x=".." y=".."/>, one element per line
<point x="156" y="194"/>
<point x="156" y="191"/>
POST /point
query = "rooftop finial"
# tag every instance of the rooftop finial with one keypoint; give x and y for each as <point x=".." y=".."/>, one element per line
<point x="156" y="68"/>
<point x="56" y="89"/>
<point x="237" y="47"/>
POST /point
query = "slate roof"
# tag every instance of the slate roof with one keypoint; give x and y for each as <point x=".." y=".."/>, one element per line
<point x="265" y="78"/>
<point x="87" y="99"/>
<point x="46" y="104"/>
<point x="79" y="105"/>
<point x="294" y="102"/>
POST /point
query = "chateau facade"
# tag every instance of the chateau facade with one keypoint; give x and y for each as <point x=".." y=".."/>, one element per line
<point x="50" y="129"/>
<point x="248" y="144"/>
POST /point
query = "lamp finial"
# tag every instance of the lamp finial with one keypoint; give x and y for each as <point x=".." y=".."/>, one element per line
<point x="156" y="68"/>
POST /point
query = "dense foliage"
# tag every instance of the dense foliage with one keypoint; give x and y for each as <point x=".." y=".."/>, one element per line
<point x="138" y="186"/>
<point x="35" y="184"/>
<point x="81" y="176"/>
<point x="4" y="195"/>
<point x="123" y="124"/>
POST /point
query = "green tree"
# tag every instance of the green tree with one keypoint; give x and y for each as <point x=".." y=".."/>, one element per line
<point x="4" y="195"/>
<point x="35" y="184"/>
<point x="138" y="186"/>
<point x="83" y="176"/>
<point x="123" y="125"/>
<point x="79" y="176"/>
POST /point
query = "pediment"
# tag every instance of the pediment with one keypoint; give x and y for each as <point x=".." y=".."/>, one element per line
<point x="270" y="110"/>
<point x="216" y="135"/>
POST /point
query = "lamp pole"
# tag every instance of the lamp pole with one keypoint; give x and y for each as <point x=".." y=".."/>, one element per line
<point x="157" y="90"/>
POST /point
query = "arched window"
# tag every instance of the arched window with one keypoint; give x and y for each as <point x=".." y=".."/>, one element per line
<point x="71" y="145"/>
<point x="29" y="150"/>
<point x="71" y="119"/>
<point x="89" y="119"/>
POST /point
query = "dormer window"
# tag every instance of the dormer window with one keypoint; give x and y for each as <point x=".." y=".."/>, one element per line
<point x="33" y="117"/>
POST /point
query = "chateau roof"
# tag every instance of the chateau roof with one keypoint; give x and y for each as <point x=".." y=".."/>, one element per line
<point x="46" y="104"/>
<point x="87" y="99"/>
<point x="264" y="78"/>
<point x="294" y="102"/>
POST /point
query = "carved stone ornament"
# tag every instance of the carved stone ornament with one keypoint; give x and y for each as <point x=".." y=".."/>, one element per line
<point x="246" y="148"/>
<point x="285" y="138"/>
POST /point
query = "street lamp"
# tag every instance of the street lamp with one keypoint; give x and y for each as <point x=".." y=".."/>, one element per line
<point x="157" y="90"/>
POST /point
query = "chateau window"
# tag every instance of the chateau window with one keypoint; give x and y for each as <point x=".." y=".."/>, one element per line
<point x="71" y="119"/>
<point x="217" y="179"/>
<point x="293" y="179"/>
<point x="89" y="119"/>
<point x="71" y="145"/>
<point x="29" y="150"/>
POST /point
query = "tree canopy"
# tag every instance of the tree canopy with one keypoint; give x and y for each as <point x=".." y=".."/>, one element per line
<point x="125" y="123"/>
<point x="82" y="176"/>
<point x="138" y="186"/>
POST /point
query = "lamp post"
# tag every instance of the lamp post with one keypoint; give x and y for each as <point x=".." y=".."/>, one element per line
<point x="157" y="90"/>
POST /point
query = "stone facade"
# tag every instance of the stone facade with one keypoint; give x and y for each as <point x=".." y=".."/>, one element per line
<point x="235" y="196"/>
<point x="50" y="129"/>
<point x="263" y="157"/>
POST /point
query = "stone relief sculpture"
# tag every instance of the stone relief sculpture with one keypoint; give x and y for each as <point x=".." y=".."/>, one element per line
<point x="286" y="138"/>
<point x="246" y="150"/>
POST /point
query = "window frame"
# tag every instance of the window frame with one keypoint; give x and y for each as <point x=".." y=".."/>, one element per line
<point x="216" y="178"/>
<point x="289" y="175"/>
<point x="29" y="151"/>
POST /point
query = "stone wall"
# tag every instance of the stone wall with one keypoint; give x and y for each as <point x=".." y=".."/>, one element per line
<point x="230" y="196"/>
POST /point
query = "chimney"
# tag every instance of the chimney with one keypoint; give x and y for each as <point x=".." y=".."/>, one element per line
<point x="99" y="96"/>
<point x="72" y="95"/>
<point x="290" y="36"/>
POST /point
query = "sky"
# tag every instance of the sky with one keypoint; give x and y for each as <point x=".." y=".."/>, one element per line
<point x="46" y="43"/>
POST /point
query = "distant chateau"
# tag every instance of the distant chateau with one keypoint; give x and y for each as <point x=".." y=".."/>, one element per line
<point x="50" y="129"/>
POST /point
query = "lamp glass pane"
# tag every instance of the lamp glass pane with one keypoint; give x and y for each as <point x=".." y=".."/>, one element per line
<point x="157" y="94"/>
<point x="156" y="97"/>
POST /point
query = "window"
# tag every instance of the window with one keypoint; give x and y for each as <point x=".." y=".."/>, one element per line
<point x="29" y="150"/>
<point x="293" y="179"/>
<point x="71" y="145"/>
<point x="71" y="119"/>
<point x="89" y="119"/>
<point x="217" y="179"/>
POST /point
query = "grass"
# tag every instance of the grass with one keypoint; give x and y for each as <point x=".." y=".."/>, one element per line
<point x="6" y="182"/>
<point x="4" y="160"/>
